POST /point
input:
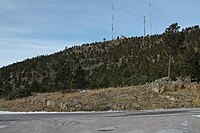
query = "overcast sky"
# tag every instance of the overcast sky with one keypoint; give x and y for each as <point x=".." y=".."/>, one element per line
<point x="29" y="28"/>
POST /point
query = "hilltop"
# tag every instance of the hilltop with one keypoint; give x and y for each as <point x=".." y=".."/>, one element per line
<point x="115" y="63"/>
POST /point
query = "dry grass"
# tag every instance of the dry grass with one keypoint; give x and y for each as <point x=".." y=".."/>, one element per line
<point x="126" y="98"/>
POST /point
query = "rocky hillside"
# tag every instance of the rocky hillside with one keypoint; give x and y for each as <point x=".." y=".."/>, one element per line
<point x="120" y="62"/>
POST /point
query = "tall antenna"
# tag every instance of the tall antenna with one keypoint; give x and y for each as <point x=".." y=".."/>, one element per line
<point x="144" y="26"/>
<point x="144" y="31"/>
<point x="150" y="19"/>
<point x="112" y="20"/>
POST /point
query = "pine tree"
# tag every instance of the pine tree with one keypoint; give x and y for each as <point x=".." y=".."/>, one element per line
<point x="80" y="78"/>
<point x="64" y="78"/>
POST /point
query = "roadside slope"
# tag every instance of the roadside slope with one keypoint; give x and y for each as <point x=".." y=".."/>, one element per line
<point x="174" y="95"/>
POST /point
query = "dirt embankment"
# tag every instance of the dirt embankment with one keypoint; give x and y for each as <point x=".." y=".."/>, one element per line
<point x="159" y="94"/>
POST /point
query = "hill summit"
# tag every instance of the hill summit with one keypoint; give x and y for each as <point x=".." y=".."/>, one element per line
<point x="120" y="62"/>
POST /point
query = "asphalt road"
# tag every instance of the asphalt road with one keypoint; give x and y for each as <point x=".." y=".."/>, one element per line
<point x="157" y="121"/>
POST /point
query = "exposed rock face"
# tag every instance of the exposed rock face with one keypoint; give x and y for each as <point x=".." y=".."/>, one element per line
<point x="167" y="85"/>
<point x="160" y="85"/>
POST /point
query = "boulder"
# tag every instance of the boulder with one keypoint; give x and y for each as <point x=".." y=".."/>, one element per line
<point x="155" y="87"/>
<point x="48" y="103"/>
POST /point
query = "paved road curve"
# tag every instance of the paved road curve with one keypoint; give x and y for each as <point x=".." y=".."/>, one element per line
<point x="158" y="121"/>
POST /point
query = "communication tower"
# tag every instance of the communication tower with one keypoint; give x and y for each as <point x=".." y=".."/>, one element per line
<point x="150" y="18"/>
<point x="144" y="26"/>
<point x="112" y="20"/>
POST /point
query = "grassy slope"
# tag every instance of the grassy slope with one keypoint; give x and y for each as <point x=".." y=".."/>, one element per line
<point x="126" y="98"/>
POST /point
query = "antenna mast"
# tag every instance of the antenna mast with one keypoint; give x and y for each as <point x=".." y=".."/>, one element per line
<point x="150" y="18"/>
<point x="112" y="20"/>
<point x="144" y="26"/>
<point x="144" y="31"/>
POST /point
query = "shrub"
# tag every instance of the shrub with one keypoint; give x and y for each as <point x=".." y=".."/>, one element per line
<point x="19" y="93"/>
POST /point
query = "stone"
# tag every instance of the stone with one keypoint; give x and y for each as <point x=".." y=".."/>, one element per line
<point x="48" y="103"/>
<point x="162" y="88"/>
<point x="155" y="87"/>
<point x="63" y="105"/>
<point x="44" y="101"/>
<point x="187" y="79"/>
<point x="170" y="98"/>
<point x="32" y="101"/>
<point x="53" y="104"/>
